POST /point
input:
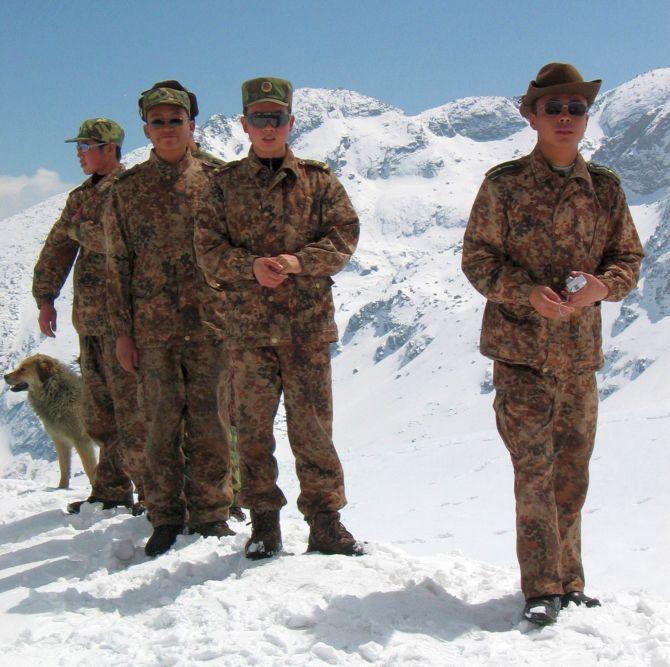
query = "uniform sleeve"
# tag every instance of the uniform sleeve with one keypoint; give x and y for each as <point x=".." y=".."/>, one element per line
<point x="619" y="269"/>
<point x="484" y="260"/>
<point x="339" y="223"/>
<point x="119" y="267"/>
<point x="219" y="260"/>
<point x="56" y="257"/>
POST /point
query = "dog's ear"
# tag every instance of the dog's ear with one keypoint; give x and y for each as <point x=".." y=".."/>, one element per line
<point x="45" y="369"/>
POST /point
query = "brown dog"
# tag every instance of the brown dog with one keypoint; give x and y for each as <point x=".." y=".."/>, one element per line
<point x="55" y="392"/>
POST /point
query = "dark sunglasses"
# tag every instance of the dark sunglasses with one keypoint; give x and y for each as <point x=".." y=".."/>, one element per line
<point x="173" y="122"/>
<point x="555" y="108"/>
<point x="84" y="148"/>
<point x="262" y="118"/>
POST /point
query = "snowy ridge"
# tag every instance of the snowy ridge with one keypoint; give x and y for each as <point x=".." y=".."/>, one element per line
<point x="429" y="483"/>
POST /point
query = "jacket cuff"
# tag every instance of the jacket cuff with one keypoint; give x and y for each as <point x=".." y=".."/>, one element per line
<point x="45" y="300"/>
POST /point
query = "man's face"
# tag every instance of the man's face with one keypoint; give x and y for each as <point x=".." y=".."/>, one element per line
<point x="562" y="130"/>
<point x="268" y="141"/>
<point x="169" y="128"/>
<point x="96" y="159"/>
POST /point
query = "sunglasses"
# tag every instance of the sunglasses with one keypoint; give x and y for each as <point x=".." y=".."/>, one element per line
<point x="172" y="122"/>
<point x="555" y="108"/>
<point x="84" y="148"/>
<point x="274" y="118"/>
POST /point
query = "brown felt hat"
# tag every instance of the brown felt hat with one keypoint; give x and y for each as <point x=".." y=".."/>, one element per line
<point x="555" y="79"/>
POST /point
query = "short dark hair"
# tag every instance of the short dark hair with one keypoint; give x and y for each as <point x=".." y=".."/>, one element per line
<point x="118" y="152"/>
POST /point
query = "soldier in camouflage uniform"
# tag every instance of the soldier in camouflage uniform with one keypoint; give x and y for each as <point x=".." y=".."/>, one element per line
<point x="154" y="290"/>
<point x="198" y="152"/>
<point x="536" y="222"/>
<point x="110" y="403"/>
<point x="286" y="226"/>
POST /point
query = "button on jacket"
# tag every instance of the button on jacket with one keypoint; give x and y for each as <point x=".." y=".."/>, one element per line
<point x="302" y="209"/>
<point x="529" y="226"/>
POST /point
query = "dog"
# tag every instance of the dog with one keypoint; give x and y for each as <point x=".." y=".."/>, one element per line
<point x="55" y="394"/>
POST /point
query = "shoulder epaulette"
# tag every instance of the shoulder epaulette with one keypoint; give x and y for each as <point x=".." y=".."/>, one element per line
<point x="128" y="172"/>
<point x="81" y="186"/>
<point x="315" y="163"/>
<point x="226" y="166"/>
<point x="207" y="158"/>
<point x="214" y="162"/>
<point x="603" y="171"/>
<point x="503" y="168"/>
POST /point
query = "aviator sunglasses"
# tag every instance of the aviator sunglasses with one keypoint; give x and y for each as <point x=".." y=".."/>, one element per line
<point x="172" y="122"/>
<point x="262" y="118"/>
<point x="555" y="108"/>
<point x="84" y="148"/>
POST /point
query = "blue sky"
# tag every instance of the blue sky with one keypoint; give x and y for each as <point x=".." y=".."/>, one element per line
<point x="66" y="61"/>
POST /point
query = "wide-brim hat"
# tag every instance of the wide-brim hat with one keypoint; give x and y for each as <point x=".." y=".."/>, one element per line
<point x="556" y="79"/>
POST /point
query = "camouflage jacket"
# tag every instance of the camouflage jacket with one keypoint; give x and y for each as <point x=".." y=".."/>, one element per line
<point x="529" y="226"/>
<point x="78" y="234"/>
<point x="154" y="287"/>
<point x="302" y="209"/>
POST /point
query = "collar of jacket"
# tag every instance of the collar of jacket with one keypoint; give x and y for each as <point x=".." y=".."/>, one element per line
<point x="168" y="170"/>
<point x="289" y="164"/>
<point x="105" y="182"/>
<point x="543" y="172"/>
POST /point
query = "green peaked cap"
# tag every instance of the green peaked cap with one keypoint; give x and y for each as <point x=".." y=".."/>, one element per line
<point x="104" y="130"/>
<point x="267" y="89"/>
<point x="155" y="96"/>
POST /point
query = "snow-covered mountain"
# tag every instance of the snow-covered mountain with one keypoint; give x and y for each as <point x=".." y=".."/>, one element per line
<point x="413" y="395"/>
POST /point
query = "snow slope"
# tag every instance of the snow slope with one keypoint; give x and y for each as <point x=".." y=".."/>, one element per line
<point x="429" y="483"/>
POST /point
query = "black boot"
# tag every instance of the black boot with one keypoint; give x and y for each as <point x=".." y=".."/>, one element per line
<point x="328" y="536"/>
<point x="211" y="529"/>
<point x="75" y="507"/>
<point x="542" y="610"/>
<point x="237" y="513"/>
<point x="162" y="539"/>
<point x="138" y="508"/>
<point x="578" y="598"/>
<point x="265" y="540"/>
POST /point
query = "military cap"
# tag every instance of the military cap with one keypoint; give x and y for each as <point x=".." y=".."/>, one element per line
<point x="104" y="130"/>
<point x="175" y="85"/>
<point x="155" y="96"/>
<point x="556" y="79"/>
<point x="267" y="89"/>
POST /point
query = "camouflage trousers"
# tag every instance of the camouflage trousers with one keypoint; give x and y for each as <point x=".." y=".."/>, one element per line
<point x="187" y="478"/>
<point x="112" y="419"/>
<point x="548" y="425"/>
<point x="257" y="377"/>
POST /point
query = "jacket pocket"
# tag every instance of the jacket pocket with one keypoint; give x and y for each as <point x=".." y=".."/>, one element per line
<point x="238" y="312"/>
<point x="312" y="307"/>
<point x="515" y="334"/>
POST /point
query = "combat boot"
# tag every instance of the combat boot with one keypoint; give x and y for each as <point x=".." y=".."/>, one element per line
<point x="211" y="529"/>
<point x="265" y="540"/>
<point x="542" y="610"/>
<point x="579" y="598"/>
<point x="138" y="509"/>
<point x="75" y="507"/>
<point x="162" y="539"/>
<point x="237" y="513"/>
<point x="328" y="536"/>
